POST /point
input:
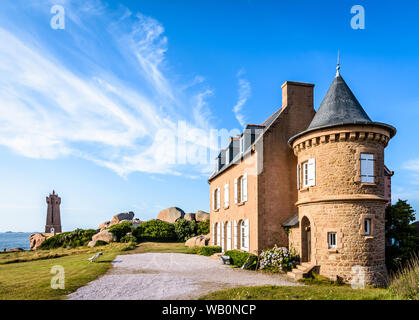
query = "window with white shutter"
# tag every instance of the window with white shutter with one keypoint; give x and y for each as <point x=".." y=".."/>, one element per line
<point x="235" y="234"/>
<point x="218" y="198"/>
<point x="214" y="199"/>
<point x="235" y="191"/>
<point x="298" y="176"/>
<point x="218" y="234"/>
<point x="222" y="236"/>
<point x="305" y="174"/>
<point x="247" y="238"/>
<point x="213" y="234"/>
<point x="367" y="168"/>
<point x="229" y="235"/>
<point x="311" y="172"/>
<point x="244" y="188"/>
<point x="226" y="196"/>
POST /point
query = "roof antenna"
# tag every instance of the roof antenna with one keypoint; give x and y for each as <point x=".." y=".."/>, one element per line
<point x="338" y="67"/>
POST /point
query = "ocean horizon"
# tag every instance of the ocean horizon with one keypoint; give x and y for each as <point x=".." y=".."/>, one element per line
<point x="10" y="240"/>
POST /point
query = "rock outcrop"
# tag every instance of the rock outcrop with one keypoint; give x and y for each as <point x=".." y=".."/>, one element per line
<point x="103" y="235"/>
<point x="202" y="216"/>
<point x="104" y="225"/>
<point x="198" y="241"/>
<point x="171" y="214"/>
<point x="122" y="216"/>
<point x="36" y="239"/>
<point x="189" y="216"/>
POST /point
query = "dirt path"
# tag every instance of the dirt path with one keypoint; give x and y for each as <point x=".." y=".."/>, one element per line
<point x="170" y="276"/>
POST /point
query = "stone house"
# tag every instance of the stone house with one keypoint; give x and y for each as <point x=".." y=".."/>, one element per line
<point x="313" y="181"/>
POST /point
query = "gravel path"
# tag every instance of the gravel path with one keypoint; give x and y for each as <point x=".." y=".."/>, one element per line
<point x="159" y="276"/>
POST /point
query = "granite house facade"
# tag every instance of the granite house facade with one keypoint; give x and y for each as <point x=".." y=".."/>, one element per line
<point x="313" y="181"/>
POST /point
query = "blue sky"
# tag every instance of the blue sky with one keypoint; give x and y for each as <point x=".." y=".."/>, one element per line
<point x="91" y="110"/>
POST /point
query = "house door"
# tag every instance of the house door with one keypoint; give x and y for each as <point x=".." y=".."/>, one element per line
<point x="305" y="240"/>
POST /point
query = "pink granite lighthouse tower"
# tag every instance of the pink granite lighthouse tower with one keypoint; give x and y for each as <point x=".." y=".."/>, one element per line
<point x="53" y="224"/>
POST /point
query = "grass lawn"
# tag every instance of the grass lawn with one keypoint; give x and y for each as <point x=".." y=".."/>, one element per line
<point x="308" y="292"/>
<point x="26" y="275"/>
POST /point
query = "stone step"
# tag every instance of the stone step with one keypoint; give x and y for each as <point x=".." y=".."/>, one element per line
<point x="295" y="274"/>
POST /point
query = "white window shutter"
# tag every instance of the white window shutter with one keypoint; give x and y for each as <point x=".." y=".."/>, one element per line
<point x="218" y="234"/>
<point x="298" y="176"/>
<point x="226" y="196"/>
<point x="222" y="237"/>
<point x="235" y="234"/>
<point x="244" y="189"/>
<point x="235" y="191"/>
<point x="218" y="198"/>
<point x="367" y="168"/>
<point x="311" y="172"/>
<point x="213" y="234"/>
<point x="247" y="234"/>
<point x="229" y="235"/>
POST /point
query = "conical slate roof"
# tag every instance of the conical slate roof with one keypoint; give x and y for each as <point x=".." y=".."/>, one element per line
<point x="340" y="107"/>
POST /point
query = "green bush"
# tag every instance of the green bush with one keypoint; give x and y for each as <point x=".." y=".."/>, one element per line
<point x="100" y="243"/>
<point x="73" y="239"/>
<point x="240" y="259"/>
<point x="185" y="229"/>
<point x="121" y="229"/>
<point x="209" y="251"/>
<point x="128" y="238"/>
<point x="155" y="230"/>
<point x="203" y="227"/>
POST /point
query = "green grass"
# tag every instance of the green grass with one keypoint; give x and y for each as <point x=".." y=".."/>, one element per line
<point x="307" y="292"/>
<point x="26" y="275"/>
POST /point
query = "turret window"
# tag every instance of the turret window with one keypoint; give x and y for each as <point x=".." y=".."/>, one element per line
<point x="332" y="240"/>
<point x="367" y="168"/>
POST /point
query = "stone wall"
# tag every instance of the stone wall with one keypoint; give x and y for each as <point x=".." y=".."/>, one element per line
<point x="339" y="202"/>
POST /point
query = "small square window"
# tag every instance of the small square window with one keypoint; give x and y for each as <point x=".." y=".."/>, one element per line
<point x="332" y="240"/>
<point x="367" y="227"/>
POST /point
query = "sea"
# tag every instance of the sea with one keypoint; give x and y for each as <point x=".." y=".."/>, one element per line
<point x="10" y="240"/>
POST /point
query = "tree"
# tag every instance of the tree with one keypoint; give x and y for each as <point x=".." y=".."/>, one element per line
<point x="401" y="238"/>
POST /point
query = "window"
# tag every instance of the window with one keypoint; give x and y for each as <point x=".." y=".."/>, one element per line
<point x="367" y="168"/>
<point x="240" y="189"/>
<point x="332" y="239"/>
<point x="216" y="199"/>
<point x="229" y="235"/>
<point x="298" y="176"/>
<point x="228" y="156"/>
<point x="309" y="173"/>
<point x="367" y="227"/>
<point x="242" y="144"/>
<point x="243" y="235"/>
<point x="226" y="196"/>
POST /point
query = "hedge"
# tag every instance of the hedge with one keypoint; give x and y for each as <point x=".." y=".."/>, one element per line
<point x="239" y="258"/>
<point x="121" y="229"/>
<point x="209" y="251"/>
<point x="185" y="229"/>
<point x="155" y="230"/>
<point x="73" y="239"/>
<point x="203" y="228"/>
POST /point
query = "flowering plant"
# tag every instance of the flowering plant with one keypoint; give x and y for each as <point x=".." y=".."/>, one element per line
<point x="278" y="259"/>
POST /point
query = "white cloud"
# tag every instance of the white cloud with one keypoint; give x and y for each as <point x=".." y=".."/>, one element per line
<point x="244" y="92"/>
<point x="48" y="110"/>
<point x="412" y="165"/>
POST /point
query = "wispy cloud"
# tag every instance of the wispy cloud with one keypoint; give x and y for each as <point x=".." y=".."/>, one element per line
<point x="244" y="93"/>
<point x="412" y="165"/>
<point x="106" y="115"/>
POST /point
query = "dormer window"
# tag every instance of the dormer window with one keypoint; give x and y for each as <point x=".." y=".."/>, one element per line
<point x="242" y="144"/>
<point x="228" y="156"/>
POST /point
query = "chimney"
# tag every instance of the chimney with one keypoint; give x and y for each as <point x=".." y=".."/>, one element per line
<point x="297" y="94"/>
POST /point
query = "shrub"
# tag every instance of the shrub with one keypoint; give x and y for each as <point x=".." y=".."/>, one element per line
<point x="278" y="259"/>
<point x="128" y="238"/>
<point x="242" y="259"/>
<point x="203" y="227"/>
<point x="73" y="239"/>
<point x="185" y="229"/>
<point x="209" y="251"/>
<point x="405" y="282"/>
<point x="121" y="229"/>
<point x="100" y="243"/>
<point x="155" y="230"/>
